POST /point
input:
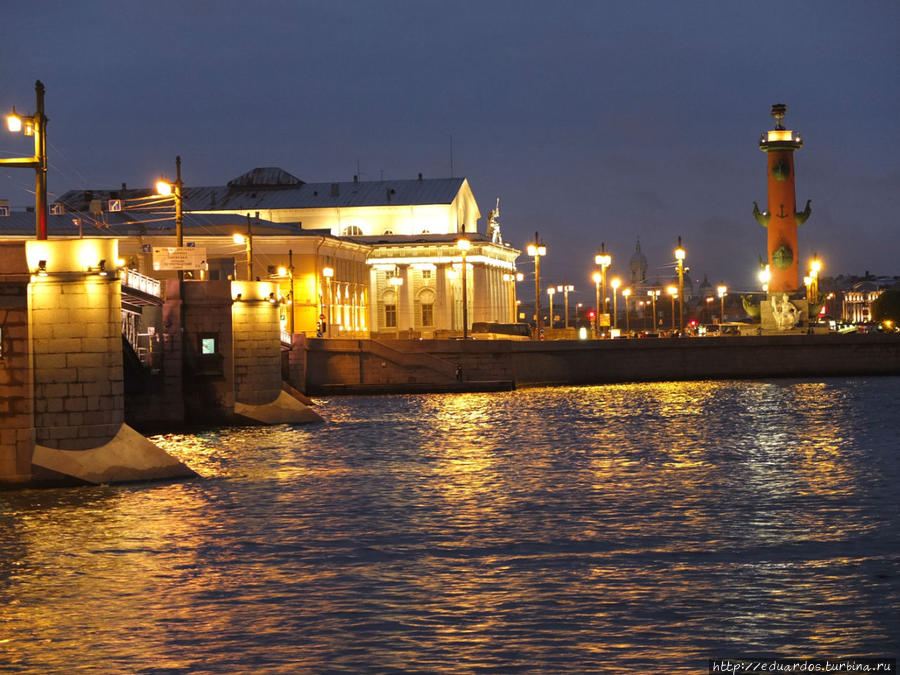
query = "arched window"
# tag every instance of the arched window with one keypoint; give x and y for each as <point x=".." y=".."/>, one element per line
<point x="353" y="231"/>
<point x="426" y="303"/>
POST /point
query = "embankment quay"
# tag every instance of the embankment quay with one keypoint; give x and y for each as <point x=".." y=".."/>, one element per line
<point x="411" y="366"/>
<point x="80" y="380"/>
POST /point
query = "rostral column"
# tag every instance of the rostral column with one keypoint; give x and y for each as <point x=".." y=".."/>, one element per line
<point x="781" y="219"/>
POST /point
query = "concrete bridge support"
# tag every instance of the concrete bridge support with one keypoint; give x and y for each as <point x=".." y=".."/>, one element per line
<point x="63" y="371"/>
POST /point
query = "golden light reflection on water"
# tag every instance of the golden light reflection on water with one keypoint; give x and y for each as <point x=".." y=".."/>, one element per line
<point x="550" y="529"/>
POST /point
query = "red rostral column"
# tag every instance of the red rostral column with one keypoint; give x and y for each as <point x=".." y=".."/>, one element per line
<point x="781" y="218"/>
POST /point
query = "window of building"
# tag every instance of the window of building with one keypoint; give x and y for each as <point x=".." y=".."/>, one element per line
<point x="428" y="315"/>
<point x="209" y="361"/>
<point x="353" y="231"/>
<point x="390" y="316"/>
<point x="426" y="274"/>
<point x="208" y="345"/>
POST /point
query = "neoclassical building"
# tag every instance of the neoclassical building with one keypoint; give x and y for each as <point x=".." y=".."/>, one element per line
<point x="411" y="227"/>
<point x="355" y="259"/>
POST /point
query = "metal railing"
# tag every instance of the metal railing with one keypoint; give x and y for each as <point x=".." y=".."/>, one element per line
<point x="142" y="283"/>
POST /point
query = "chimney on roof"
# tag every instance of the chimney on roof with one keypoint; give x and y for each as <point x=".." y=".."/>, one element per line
<point x="355" y="178"/>
<point x="335" y="190"/>
<point x="420" y="175"/>
<point x="124" y="188"/>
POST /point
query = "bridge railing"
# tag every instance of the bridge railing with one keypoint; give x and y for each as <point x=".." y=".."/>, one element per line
<point x="142" y="283"/>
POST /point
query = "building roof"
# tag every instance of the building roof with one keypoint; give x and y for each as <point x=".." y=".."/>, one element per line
<point x="269" y="188"/>
<point x="130" y="224"/>
<point x="261" y="197"/>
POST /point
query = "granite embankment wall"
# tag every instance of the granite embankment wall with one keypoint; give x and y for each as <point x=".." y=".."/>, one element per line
<point x="364" y="365"/>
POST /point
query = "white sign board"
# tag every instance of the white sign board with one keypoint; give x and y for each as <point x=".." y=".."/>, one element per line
<point x="175" y="258"/>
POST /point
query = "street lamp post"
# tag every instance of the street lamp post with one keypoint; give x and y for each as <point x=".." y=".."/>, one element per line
<point x="604" y="260"/>
<point x="615" y="283"/>
<point x="625" y="293"/>
<point x="814" y="268"/>
<point x="671" y="290"/>
<point x="33" y="125"/>
<point x="176" y="190"/>
<point x="536" y="250"/>
<point x="597" y="279"/>
<point x="328" y="273"/>
<point x="679" y="262"/>
<point x="653" y="293"/>
<point x="765" y="276"/>
<point x="291" y="273"/>
<point x="513" y="278"/>
<point x="564" y="289"/>
<point x="722" y="291"/>
<point x="464" y="245"/>
<point x="247" y="241"/>
<point x="551" y="292"/>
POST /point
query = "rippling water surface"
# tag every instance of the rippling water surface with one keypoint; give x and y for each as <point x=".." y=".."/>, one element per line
<point x="632" y="528"/>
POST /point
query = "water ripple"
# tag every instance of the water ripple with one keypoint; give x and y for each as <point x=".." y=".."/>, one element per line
<point x="591" y="529"/>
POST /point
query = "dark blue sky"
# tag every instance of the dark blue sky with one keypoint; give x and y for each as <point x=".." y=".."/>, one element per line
<point x="592" y="121"/>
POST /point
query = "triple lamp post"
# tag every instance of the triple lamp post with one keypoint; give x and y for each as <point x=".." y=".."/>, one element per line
<point x="564" y="289"/>
<point x="604" y="260"/>
<point x="722" y="291"/>
<point x="812" y="286"/>
<point x="536" y="250"/>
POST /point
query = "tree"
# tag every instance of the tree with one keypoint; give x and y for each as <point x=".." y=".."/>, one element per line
<point x="887" y="306"/>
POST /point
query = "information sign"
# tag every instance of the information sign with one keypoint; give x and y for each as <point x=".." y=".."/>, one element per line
<point x="179" y="258"/>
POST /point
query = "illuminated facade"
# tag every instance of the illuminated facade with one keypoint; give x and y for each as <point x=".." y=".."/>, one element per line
<point x="411" y="285"/>
<point x="857" y="303"/>
<point x="417" y="285"/>
<point x="351" y="259"/>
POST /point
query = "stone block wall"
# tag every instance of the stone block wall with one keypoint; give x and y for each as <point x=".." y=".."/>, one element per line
<point x="77" y="346"/>
<point x="527" y="363"/>
<point x="16" y="393"/>
<point x="257" y="345"/>
<point x="208" y="377"/>
<point x="293" y="363"/>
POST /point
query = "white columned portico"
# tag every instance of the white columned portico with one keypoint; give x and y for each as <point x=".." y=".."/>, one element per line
<point x="480" y="293"/>
<point x="442" y="304"/>
<point x="374" y="296"/>
<point x="406" y="308"/>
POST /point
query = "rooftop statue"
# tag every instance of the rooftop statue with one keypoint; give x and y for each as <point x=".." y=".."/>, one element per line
<point x="493" y="225"/>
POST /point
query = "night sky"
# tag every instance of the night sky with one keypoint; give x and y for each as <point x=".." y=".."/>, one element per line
<point x="591" y="121"/>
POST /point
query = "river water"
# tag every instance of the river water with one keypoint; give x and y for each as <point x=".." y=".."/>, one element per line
<point x="628" y="528"/>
